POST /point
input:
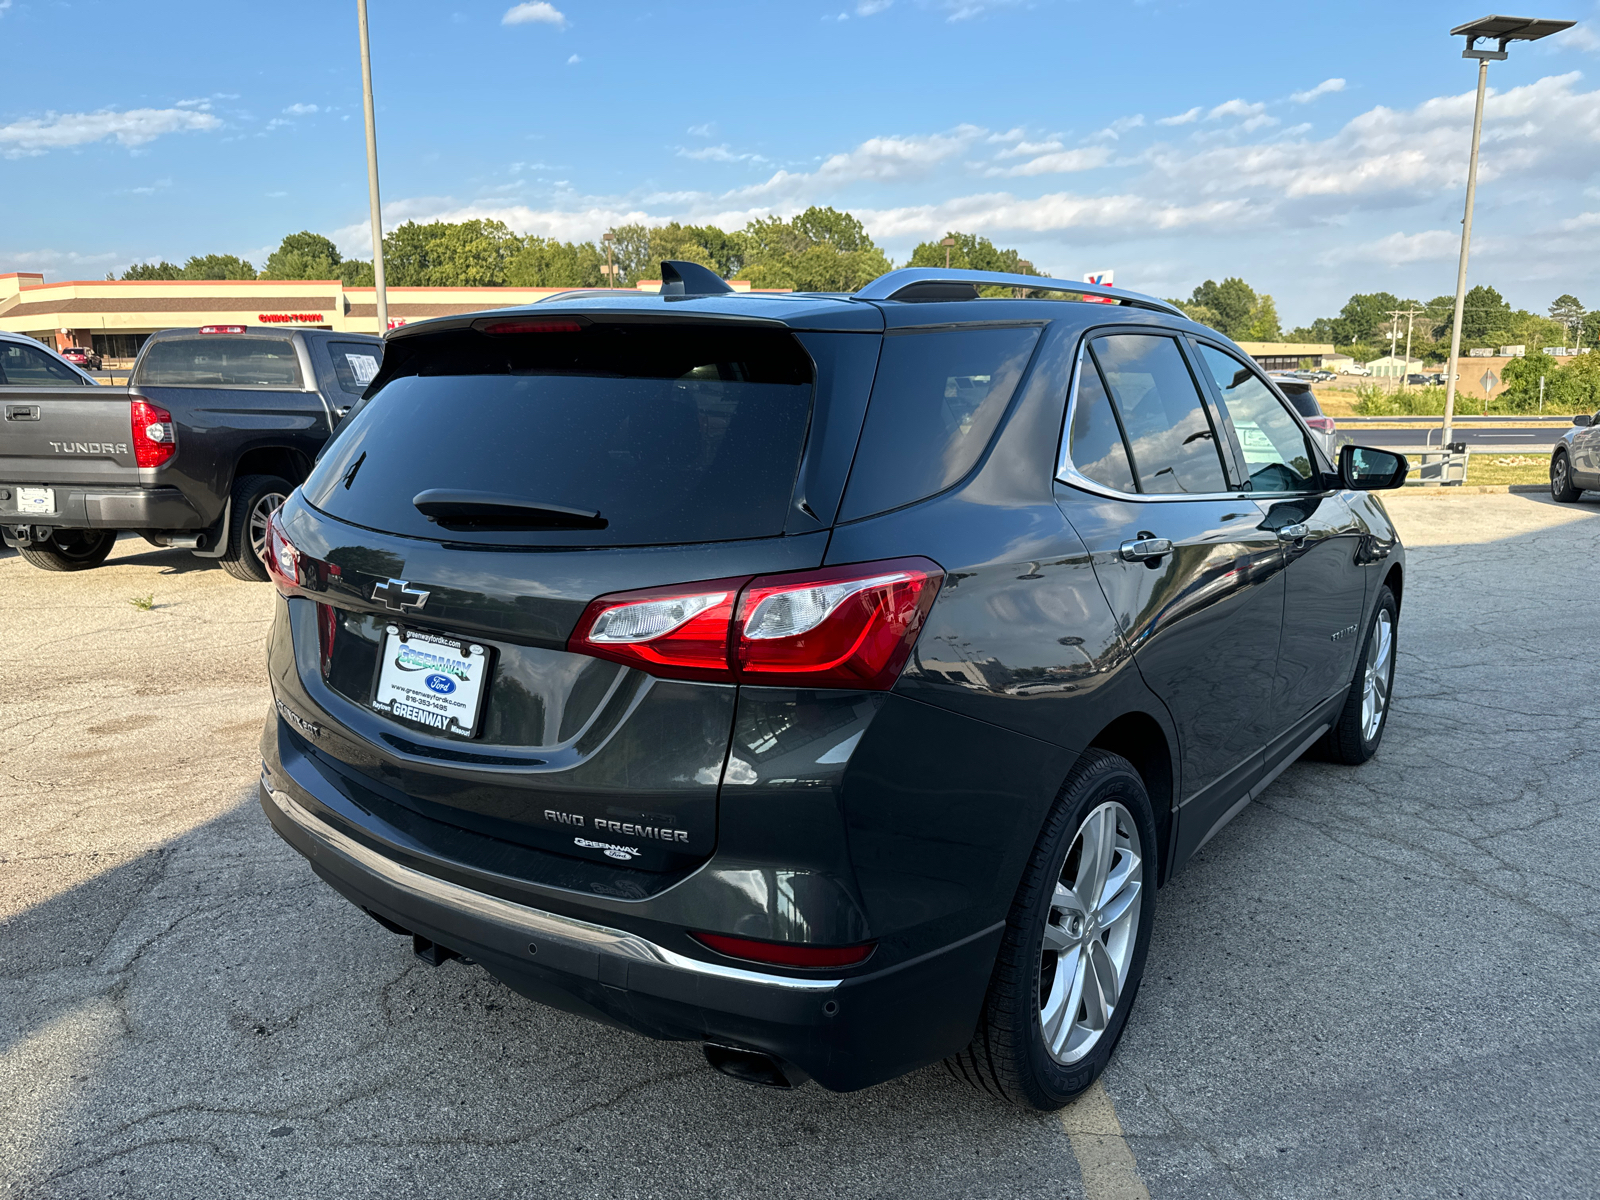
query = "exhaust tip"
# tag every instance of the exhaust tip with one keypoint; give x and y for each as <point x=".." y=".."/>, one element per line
<point x="748" y="1066"/>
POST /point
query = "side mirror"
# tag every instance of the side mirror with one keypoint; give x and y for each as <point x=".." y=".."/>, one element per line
<point x="1583" y="419"/>
<point x="1364" y="469"/>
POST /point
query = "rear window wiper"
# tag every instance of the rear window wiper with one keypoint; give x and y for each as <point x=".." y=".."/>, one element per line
<point x="489" y="510"/>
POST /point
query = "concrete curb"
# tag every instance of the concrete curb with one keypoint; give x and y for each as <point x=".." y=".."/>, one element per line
<point x="1481" y="489"/>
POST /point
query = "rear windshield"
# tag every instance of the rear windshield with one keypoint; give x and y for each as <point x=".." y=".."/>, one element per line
<point x="671" y="433"/>
<point x="1301" y="396"/>
<point x="211" y="360"/>
<point x="355" y="363"/>
<point x="937" y="399"/>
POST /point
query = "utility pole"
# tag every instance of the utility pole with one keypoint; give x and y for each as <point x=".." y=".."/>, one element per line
<point x="609" y="238"/>
<point x="1394" y="328"/>
<point x="372" y="172"/>
<point x="1503" y="30"/>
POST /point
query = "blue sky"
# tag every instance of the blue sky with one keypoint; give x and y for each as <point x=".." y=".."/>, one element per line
<point x="1168" y="141"/>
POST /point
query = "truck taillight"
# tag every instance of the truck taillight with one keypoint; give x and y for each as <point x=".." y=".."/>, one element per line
<point x="155" y="438"/>
<point x="1321" y="424"/>
<point x="842" y="627"/>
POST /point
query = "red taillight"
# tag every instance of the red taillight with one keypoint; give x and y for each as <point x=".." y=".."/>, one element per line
<point x="528" y="325"/>
<point x="155" y="438"/>
<point x="1321" y="424"/>
<point x="787" y="954"/>
<point x="222" y="329"/>
<point x="850" y="627"/>
<point x="283" y="559"/>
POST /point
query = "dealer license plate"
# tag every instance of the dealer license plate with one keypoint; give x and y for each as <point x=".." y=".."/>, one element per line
<point x="36" y="500"/>
<point x="431" y="680"/>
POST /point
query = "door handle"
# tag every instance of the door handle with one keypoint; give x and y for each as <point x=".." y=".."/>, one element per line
<point x="1294" y="533"/>
<point x="1145" y="549"/>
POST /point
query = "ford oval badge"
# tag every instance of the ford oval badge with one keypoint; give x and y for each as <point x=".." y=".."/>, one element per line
<point x="441" y="684"/>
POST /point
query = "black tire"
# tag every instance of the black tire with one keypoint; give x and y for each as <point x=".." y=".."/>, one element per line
<point x="254" y="496"/>
<point x="1354" y="738"/>
<point x="1561" y="488"/>
<point x="1008" y="1057"/>
<point x="71" y="550"/>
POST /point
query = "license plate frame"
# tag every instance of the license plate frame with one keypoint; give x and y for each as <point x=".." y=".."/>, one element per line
<point x="411" y="660"/>
<point x="36" y="501"/>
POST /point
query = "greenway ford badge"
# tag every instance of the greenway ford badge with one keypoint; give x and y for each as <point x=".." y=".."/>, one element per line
<point x="432" y="680"/>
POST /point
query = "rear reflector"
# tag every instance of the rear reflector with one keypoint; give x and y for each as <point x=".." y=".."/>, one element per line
<point x="844" y="627"/>
<point x="786" y="954"/>
<point x="529" y="325"/>
<point x="222" y="329"/>
<point x="155" y="438"/>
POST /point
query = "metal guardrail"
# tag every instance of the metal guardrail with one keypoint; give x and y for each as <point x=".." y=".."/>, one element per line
<point x="1440" y="468"/>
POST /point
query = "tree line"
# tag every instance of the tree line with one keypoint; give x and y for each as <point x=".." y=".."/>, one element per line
<point x="820" y="250"/>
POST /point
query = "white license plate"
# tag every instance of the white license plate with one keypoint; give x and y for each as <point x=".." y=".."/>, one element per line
<point x="36" y="500"/>
<point x="429" y="680"/>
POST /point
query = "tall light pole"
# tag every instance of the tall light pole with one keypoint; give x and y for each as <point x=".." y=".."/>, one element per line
<point x="372" y="172"/>
<point x="1504" y="30"/>
<point x="947" y="243"/>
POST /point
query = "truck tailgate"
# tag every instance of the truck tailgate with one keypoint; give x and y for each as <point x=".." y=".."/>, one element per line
<point x="67" y="435"/>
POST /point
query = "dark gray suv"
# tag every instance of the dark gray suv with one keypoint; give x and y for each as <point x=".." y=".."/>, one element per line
<point x="828" y="679"/>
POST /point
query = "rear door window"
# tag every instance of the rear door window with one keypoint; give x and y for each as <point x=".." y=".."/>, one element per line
<point x="1169" y="434"/>
<point x="1277" y="455"/>
<point x="220" y="360"/>
<point x="27" y="366"/>
<point x="355" y="364"/>
<point x="935" y="403"/>
<point x="672" y="433"/>
<point x="1095" y="445"/>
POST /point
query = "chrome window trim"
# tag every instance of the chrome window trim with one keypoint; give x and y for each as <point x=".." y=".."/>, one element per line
<point x="1069" y="475"/>
<point x="569" y="931"/>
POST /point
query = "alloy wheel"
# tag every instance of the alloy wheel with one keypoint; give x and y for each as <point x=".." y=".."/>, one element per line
<point x="1558" y="474"/>
<point x="1375" y="687"/>
<point x="1090" y="933"/>
<point x="260" y="513"/>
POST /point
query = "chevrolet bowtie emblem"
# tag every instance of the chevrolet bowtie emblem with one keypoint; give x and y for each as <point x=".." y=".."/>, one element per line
<point x="399" y="595"/>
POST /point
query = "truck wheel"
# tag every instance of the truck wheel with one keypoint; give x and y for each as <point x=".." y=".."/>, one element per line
<point x="255" y="498"/>
<point x="71" y="550"/>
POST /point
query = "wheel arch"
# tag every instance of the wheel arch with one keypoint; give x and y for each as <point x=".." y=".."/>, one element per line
<point x="282" y="461"/>
<point x="1142" y="740"/>
<point x="1395" y="582"/>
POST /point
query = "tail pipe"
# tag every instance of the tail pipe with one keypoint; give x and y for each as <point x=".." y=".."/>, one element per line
<point x="752" y="1066"/>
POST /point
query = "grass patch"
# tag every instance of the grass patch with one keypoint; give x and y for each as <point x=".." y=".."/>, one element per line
<point x="1492" y="469"/>
<point x="143" y="603"/>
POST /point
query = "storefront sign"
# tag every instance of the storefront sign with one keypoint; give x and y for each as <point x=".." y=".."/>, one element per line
<point x="290" y="318"/>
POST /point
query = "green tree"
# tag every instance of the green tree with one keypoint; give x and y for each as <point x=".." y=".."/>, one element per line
<point x="821" y="250"/>
<point x="356" y="272"/>
<point x="218" y="266"/>
<point x="160" y="270"/>
<point x="1521" y="376"/>
<point x="1232" y="308"/>
<point x="970" y="253"/>
<point x="1485" y="318"/>
<point x="469" y="254"/>
<point x="303" y="255"/>
<point x="1567" y="311"/>
<point x="544" y="262"/>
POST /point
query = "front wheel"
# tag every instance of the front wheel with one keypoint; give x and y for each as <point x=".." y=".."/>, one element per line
<point x="71" y="550"/>
<point x="255" y="499"/>
<point x="1355" y="735"/>
<point x="1561" y="488"/>
<point x="1074" y="948"/>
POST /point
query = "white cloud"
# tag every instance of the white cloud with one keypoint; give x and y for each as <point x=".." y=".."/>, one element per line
<point x="1431" y="245"/>
<point x="1235" y="108"/>
<point x="300" y="110"/>
<point x="4" y="4"/>
<point x="132" y="127"/>
<point x="722" y="153"/>
<point x="536" y="13"/>
<point x="1121" y="126"/>
<point x="1322" y="89"/>
<point x="1058" y="162"/>
<point x="574" y="61"/>
<point x="871" y="8"/>
<point x="1183" y="118"/>
<point x="1579" y="37"/>
<point x="705" y="130"/>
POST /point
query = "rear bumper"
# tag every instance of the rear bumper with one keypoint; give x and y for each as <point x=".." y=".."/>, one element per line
<point x="846" y="1033"/>
<point x="131" y="508"/>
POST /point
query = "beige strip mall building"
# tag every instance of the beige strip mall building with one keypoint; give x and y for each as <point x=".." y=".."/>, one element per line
<point x="113" y="317"/>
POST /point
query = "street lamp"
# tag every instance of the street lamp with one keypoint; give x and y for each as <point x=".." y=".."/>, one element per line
<point x="611" y="272"/>
<point x="947" y="243"/>
<point x="1505" y="30"/>
<point x="372" y="172"/>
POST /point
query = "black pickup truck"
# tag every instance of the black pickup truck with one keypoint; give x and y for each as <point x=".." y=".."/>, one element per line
<point x="216" y="427"/>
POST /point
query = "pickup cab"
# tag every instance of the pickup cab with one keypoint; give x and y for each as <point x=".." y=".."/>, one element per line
<point x="216" y="427"/>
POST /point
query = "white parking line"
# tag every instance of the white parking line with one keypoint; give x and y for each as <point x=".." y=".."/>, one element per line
<point x="1109" y="1172"/>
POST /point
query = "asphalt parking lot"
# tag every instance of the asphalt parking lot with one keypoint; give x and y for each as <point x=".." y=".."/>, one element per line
<point x="1376" y="982"/>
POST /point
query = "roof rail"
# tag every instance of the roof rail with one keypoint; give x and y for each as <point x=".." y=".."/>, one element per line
<point x="890" y="285"/>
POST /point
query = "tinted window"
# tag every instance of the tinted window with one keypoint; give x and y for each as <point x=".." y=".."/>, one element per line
<point x="672" y="433"/>
<point x="217" y="360"/>
<point x="935" y="403"/>
<point x="1276" y="455"/>
<point x="355" y="363"/>
<point x="1174" y="447"/>
<point x="1096" y="445"/>
<point x="28" y="365"/>
<point x="1305" y="403"/>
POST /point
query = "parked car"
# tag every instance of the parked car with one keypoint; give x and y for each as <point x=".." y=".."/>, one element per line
<point x="830" y="680"/>
<point x="215" y="429"/>
<point x="27" y="362"/>
<point x="1356" y="370"/>
<point x="1322" y="376"/>
<point x="82" y="356"/>
<point x="1575" y="460"/>
<point x="1418" y="379"/>
<point x="1300" y="395"/>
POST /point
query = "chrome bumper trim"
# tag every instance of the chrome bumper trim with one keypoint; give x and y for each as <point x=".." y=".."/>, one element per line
<point x="578" y="935"/>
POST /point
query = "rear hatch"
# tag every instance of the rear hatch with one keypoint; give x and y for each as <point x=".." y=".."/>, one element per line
<point x="68" y="435"/>
<point x="492" y="485"/>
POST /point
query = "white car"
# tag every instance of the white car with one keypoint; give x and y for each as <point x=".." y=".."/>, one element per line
<point x="28" y="362"/>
